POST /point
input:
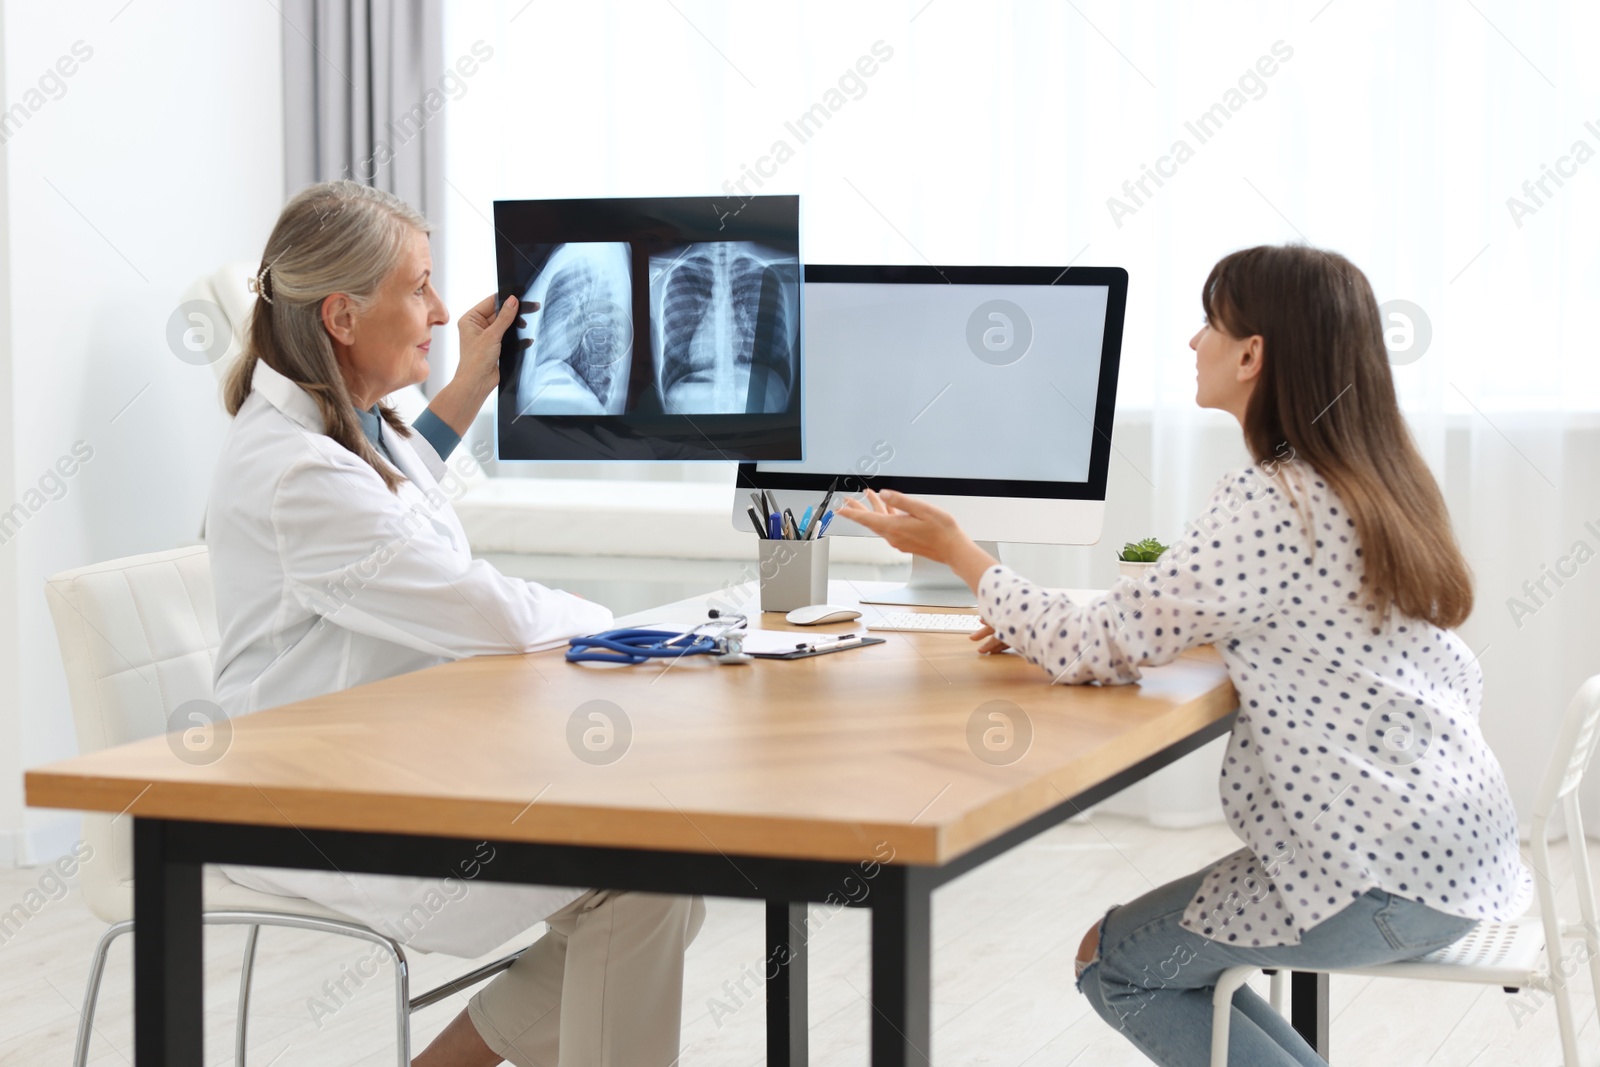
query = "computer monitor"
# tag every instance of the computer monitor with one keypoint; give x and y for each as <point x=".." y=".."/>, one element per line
<point x="988" y="391"/>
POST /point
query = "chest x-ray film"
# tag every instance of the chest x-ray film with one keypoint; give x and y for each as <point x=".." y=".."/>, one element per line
<point x="724" y="327"/>
<point x="582" y="349"/>
<point x="666" y="328"/>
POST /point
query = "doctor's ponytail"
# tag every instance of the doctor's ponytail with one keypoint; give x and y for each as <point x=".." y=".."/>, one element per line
<point x="333" y="237"/>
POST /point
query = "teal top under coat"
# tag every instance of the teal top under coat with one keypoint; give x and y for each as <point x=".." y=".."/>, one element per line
<point x="433" y="429"/>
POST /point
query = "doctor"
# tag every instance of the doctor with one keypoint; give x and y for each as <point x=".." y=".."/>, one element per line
<point x="338" y="560"/>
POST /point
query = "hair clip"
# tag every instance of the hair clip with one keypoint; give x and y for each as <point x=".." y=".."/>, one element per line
<point x="258" y="284"/>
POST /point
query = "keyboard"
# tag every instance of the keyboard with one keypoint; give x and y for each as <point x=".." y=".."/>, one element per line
<point x="926" y="622"/>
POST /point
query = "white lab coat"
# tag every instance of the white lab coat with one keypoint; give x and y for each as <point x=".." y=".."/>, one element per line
<point x="326" y="580"/>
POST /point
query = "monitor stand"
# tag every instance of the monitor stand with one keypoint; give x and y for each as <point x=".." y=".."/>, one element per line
<point x="932" y="585"/>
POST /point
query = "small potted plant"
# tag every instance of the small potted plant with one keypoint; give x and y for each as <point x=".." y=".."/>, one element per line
<point x="1137" y="558"/>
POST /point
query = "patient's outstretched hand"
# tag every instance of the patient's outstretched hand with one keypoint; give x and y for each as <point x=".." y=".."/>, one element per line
<point x="909" y="524"/>
<point x="918" y="527"/>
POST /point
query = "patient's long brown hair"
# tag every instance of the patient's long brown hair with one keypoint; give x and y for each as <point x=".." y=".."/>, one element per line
<point x="1326" y="390"/>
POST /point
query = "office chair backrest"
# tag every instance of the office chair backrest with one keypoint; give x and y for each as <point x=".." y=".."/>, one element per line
<point x="139" y="639"/>
<point x="227" y="287"/>
<point x="1574" y="748"/>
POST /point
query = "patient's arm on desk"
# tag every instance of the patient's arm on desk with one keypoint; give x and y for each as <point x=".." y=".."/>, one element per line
<point x="1101" y="641"/>
<point x="992" y="644"/>
<point x="1200" y="592"/>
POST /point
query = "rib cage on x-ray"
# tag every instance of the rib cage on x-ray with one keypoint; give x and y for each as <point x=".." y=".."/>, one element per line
<point x="583" y="332"/>
<point x="725" y="315"/>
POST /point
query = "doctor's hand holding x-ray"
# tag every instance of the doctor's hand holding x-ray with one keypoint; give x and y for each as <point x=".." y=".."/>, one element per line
<point x="478" y="371"/>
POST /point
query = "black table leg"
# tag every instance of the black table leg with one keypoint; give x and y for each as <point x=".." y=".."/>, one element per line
<point x="1308" y="1009"/>
<point x="902" y="920"/>
<point x="786" y="984"/>
<point x="168" y="978"/>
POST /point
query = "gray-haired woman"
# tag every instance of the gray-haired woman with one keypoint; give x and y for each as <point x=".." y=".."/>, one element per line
<point x="338" y="560"/>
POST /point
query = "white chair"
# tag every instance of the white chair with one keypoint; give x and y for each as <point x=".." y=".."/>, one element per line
<point x="139" y="639"/>
<point x="1526" y="953"/>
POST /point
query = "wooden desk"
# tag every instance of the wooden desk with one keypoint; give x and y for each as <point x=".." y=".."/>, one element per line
<point x="847" y="778"/>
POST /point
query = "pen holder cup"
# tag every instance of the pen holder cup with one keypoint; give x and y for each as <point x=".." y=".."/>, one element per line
<point x="794" y="574"/>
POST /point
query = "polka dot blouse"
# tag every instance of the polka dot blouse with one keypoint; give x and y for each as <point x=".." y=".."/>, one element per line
<point x="1356" y="761"/>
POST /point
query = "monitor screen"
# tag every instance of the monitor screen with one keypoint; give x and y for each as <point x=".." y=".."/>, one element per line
<point x="972" y="381"/>
<point x="665" y="328"/>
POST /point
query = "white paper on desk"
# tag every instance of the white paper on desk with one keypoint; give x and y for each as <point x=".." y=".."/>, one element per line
<point x="764" y="642"/>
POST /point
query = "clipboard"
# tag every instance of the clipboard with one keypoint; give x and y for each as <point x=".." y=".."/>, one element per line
<point x="812" y="646"/>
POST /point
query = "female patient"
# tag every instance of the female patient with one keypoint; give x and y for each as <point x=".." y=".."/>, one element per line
<point x="338" y="560"/>
<point x="1376" y="821"/>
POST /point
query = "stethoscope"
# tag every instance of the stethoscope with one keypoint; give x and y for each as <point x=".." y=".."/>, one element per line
<point x="722" y="636"/>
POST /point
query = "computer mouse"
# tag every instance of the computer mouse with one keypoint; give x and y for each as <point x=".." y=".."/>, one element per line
<point x="817" y="614"/>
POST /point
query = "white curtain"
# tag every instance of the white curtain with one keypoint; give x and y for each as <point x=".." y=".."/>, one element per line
<point x="365" y="90"/>
<point x="1156" y="138"/>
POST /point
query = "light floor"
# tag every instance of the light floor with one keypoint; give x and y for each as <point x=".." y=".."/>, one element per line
<point x="1004" y="940"/>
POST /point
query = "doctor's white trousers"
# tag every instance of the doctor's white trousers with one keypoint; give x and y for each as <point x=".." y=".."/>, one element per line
<point x="602" y="988"/>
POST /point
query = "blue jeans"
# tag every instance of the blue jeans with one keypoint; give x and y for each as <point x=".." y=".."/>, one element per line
<point x="1153" y="980"/>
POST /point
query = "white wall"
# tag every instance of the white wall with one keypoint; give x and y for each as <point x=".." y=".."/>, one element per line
<point x="161" y="159"/>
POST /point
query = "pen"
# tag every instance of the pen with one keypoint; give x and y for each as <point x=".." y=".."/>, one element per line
<point x="823" y="527"/>
<point x="805" y="522"/>
<point x="822" y="509"/>
<point x="790" y="530"/>
<point x="760" y="503"/>
<point x="852" y="641"/>
<point x="773" y="532"/>
<point x="755" y="520"/>
<point x="772" y="504"/>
